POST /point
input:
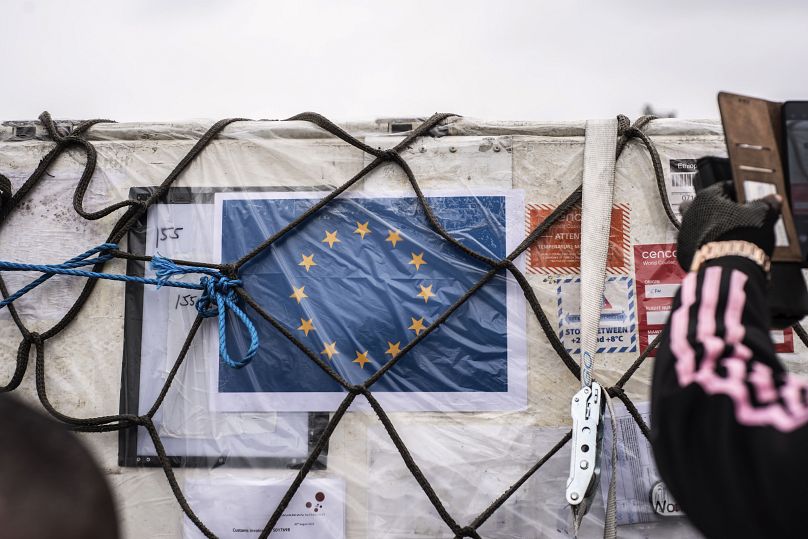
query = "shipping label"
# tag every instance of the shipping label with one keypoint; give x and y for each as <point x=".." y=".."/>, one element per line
<point x="658" y="277"/>
<point x="680" y="182"/>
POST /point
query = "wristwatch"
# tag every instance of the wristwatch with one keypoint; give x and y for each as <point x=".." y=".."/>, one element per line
<point x="717" y="249"/>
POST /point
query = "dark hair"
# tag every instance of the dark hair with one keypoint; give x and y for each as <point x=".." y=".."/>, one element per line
<point x="50" y="485"/>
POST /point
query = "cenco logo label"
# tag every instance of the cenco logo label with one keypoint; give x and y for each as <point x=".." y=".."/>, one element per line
<point x="661" y="254"/>
<point x="663" y="503"/>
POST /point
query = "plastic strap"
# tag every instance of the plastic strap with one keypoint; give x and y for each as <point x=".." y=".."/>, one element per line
<point x="596" y="217"/>
<point x="600" y="158"/>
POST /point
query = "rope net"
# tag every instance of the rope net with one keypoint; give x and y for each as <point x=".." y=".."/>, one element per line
<point x="222" y="291"/>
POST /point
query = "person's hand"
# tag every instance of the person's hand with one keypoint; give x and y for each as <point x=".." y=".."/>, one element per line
<point x="715" y="216"/>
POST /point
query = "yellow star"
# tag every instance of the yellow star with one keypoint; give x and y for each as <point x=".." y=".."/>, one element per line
<point x="393" y="236"/>
<point x="426" y="292"/>
<point x="417" y="325"/>
<point x="361" y="358"/>
<point x="362" y="229"/>
<point x="306" y="326"/>
<point x="417" y="261"/>
<point x="331" y="238"/>
<point x="308" y="261"/>
<point x="394" y="348"/>
<point x="330" y="349"/>
<point x="298" y="293"/>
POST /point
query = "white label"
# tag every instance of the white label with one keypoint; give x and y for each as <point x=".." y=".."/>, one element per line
<point x="680" y="182"/>
<point x="663" y="503"/>
<point x="239" y="509"/>
<point x="657" y="318"/>
<point x="661" y="290"/>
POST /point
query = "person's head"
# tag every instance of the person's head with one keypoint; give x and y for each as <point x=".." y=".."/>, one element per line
<point x="50" y="486"/>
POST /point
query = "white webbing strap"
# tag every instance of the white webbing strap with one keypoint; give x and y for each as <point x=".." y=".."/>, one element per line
<point x="596" y="212"/>
<point x="596" y="216"/>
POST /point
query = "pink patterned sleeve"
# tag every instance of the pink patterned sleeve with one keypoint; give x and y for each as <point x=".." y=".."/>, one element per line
<point x="728" y="421"/>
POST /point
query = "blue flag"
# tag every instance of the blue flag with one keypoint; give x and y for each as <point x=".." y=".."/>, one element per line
<point x="359" y="280"/>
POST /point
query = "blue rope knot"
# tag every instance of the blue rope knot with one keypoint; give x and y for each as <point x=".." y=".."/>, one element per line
<point x="208" y="305"/>
<point x="218" y="295"/>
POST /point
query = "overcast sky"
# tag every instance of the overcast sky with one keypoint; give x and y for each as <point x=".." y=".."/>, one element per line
<point x="174" y="59"/>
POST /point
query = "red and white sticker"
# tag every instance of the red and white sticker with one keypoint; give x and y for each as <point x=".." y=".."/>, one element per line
<point x="658" y="277"/>
<point x="783" y="340"/>
<point x="558" y="251"/>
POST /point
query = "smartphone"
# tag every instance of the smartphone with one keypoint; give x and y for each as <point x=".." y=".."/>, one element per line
<point x="795" y="162"/>
<point x="711" y="170"/>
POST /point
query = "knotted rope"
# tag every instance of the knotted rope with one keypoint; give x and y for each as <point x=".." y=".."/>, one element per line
<point x="217" y="297"/>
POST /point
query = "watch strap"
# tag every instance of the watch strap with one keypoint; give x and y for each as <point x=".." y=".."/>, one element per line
<point x="718" y="249"/>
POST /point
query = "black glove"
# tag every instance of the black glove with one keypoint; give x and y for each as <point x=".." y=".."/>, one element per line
<point x="715" y="216"/>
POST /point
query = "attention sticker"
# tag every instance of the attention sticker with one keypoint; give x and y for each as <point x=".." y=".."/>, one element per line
<point x="558" y="251"/>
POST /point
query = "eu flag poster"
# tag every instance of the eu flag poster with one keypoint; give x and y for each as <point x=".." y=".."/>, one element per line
<point x="356" y="282"/>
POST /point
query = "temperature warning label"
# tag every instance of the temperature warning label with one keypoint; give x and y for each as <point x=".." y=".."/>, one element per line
<point x="558" y="251"/>
<point x="617" y="332"/>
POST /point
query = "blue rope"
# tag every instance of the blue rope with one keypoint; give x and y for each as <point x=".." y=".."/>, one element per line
<point x="217" y="294"/>
<point x="75" y="262"/>
<point x="217" y="290"/>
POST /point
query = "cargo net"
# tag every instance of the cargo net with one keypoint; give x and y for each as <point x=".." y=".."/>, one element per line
<point x="221" y="291"/>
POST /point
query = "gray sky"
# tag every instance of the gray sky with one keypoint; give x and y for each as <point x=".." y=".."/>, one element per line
<point x="567" y="59"/>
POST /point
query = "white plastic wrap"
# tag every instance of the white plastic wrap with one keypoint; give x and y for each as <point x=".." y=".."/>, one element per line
<point x="477" y="404"/>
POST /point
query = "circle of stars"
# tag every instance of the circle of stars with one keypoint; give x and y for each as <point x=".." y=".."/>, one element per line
<point x="394" y="237"/>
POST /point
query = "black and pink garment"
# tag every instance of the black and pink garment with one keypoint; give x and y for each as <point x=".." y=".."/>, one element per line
<point x="729" y="424"/>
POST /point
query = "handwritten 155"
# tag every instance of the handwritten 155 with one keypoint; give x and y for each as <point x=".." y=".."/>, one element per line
<point x="187" y="300"/>
<point x="169" y="233"/>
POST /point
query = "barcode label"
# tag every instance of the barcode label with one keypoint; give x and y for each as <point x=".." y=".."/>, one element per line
<point x="682" y="179"/>
<point x="680" y="182"/>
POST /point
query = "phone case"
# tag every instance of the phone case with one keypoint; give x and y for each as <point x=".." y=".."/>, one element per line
<point x="754" y="141"/>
